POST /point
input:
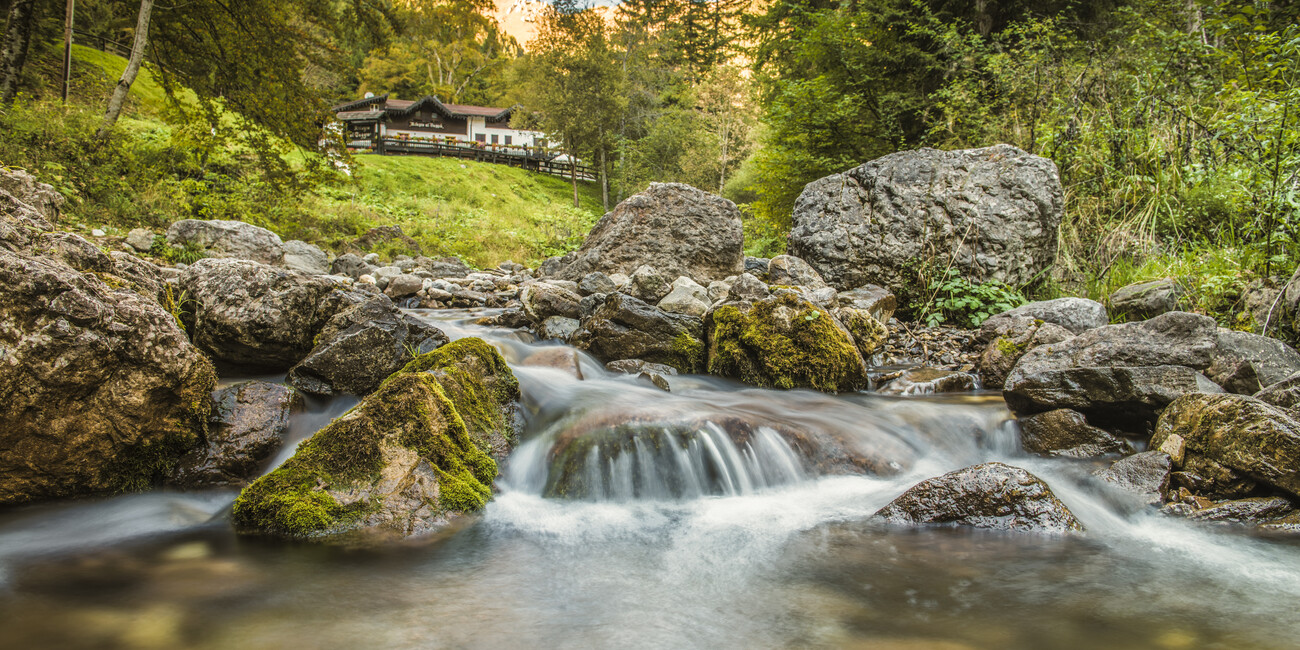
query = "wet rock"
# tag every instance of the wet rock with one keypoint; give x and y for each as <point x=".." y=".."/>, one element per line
<point x="228" y="239"/>
<point x="648" y="284"/>
<point x="103" y="391"/>
<point x="686" y="297"/>
<point x="1284" y="394"/>
<point x="878" y="301"/>
<point x="350" y="265"/>
<point x="596" y="282"/>
<point x="256" y="315"/>
<point x="1229" y="443"/>
<point x="1117" y="372"/>
<point x="140" y="239"/>
<point x="991" y="495"/>
<point x="410" y="459"/>
<point x="248" y="424"/>
<point x="1146" y="299"/>
<point x="783" y="342"/>
<point x="1067" y="433"/>
<point x="558" y="327"/>
<point x="1145" y="475"/>
<point x="653" y="373"/>
<point x="869" y="223"/>
<point x="747" y="288"/>
<point x="304" y="257"/>
<point x="869" y="334"/>
<point x="1077" y="315"/>
<point x="1255" y="510"/>
<point x="675" y="228"/>
<point x="542" y="300"/>
<point x="928" y="381"/>
<point x="1011" y="340"/>
<point x="623" y="327"/>
<point x="560" y="358"/>
<point x="788" y="270"/>
<point x="361" y="346"/>
<point x="1245" y="363"/>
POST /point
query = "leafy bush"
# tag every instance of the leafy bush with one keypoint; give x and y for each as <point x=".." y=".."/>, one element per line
<point x="957" y="301"/>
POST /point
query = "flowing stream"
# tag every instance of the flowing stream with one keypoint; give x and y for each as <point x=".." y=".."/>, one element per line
<point x="714" y="516"/>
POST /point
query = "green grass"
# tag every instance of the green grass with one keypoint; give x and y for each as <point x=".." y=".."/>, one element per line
<point x="1215" y="279"/>
<point x="146" y="93"/>
<point x="484" y="213"/>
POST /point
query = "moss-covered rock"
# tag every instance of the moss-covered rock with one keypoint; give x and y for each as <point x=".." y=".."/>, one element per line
<point x="784" y="342"/>
<point x="868" y="333"/>
<point x="1223" y="445"/>
<point x="623" y="327"/>
<point x="411" y="457"/>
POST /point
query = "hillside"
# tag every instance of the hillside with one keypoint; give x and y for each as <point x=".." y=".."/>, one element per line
<point x="483" y="213"/>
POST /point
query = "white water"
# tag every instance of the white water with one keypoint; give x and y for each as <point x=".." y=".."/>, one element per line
<point x="692" y="519"/>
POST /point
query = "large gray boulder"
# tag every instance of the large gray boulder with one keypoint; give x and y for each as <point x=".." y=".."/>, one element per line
<point x="622" y="327"/>
<point x="991" y="495"/>
<point x="543" y="300"/>
<point x="102" y="390"/>
<point x="361" y="346"/>
<point x="258" y="316"/>
<point x="1118" y="373"/>
<point x="1146" y="299"/>
<point x="1010" y="340"/>
<point x="230" y="239"/>
<point x="1066" y="433"/>
<point x="675" y="228"/>
<point x="308" y="258"/>
<point x="1077" y="315"/>
<point x="22" y="186"/>
<point x="995" y="210"/>
<point x="1245" y="363"/>
<point x="248" y="424"/>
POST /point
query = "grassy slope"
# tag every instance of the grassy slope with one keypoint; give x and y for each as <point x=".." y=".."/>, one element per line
<point x="484" y="213"/>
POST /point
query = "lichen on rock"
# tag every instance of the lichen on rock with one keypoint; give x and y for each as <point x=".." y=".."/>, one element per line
<point x="414" y="455"/>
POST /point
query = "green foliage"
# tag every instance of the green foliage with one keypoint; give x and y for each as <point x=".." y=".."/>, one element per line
<point x="957" y="301"/>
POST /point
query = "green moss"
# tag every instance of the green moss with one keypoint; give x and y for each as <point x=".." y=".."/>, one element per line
<point x="112" y="281"/>
<point x="868" y="333"/>
<point x="688" y="354"/>
<point x="800" y="347"/>
<point x="1009" y="348"/>
<point x="426" y="407"/>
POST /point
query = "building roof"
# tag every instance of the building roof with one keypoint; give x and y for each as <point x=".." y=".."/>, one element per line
<point x="372" y="107"/>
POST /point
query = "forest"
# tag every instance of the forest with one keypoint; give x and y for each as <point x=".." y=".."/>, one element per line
<point x="1175" y="126"/>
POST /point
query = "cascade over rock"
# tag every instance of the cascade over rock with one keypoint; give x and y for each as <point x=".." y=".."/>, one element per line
<point x="995" y="210"/>
<point x="672" y="227"/>
<point x="991" y="495"/>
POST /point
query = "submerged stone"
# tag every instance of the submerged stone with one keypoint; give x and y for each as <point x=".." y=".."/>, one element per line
<point x="409" y="459"/>
<point x="991" y="495"/>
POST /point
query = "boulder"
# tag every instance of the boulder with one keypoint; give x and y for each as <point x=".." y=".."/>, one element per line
<point x="1284" y="394"/>
<point x="1245" y="363"/>
<point x="409" y="459"/>
<point x="1077" y="315"/>
<point x="230" y="239"/>
<point x="1146" y="299"/>
<point x="444" y="267"/>
<point x="102" y="390"/>
<point x="41" y="197"/>
<point x="596" y="282"/>
<point x="350" y="265"/>
<point x="686" y="297"/>
<point x="558" y="327"/>
<point x="361" y="346"/>
<point x="648" y="284"/>
<point x="928" y="381"/>
<point x="783" y="342"/>
<point x="304" y="257"/>
<point x="1067" y="433"/>
<point x="560" y="358"/>
<point x="248" y="424"/>
<point x="995" y="211"/>
<point x="869" y="334"/>
<point x="878" y="301"/>
<point x="1228" y="443"/>
<point x="675" y="228"/>
<point x="1011" y="340"/>
<point x="258" y="316"/>
<point x="403" y="285"/>
<point x="747" y="288"/>
<point x="1254" y="510"/>
<point x="718" y="289"/>
<point x="655" y="374"/>
<point x="991" y="495"/>
<point x="757" y="266"/>
<point x="1117" y="372"/>
<point x="1145" y="475"/>
<point x="622" y="327"/>
<point x="788" y="270"/>
<point x="140" y="239"/>
<point x="542" y="300"/>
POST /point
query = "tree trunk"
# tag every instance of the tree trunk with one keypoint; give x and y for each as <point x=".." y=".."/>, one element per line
<point x="573" y="177"/>
<point x="17" y="39"/>
<point x="132" y="69"/>
<point x="604" y="182"/>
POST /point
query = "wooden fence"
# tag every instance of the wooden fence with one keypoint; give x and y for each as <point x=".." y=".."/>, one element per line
<point x="530" y="158"/>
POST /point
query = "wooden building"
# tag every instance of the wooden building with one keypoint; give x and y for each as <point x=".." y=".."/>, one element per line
<point x="372" y="121"/>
